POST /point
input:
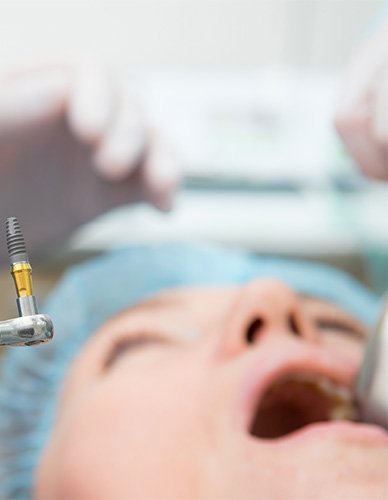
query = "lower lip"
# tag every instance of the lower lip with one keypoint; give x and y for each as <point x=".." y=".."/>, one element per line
<point x="339" y="430"/>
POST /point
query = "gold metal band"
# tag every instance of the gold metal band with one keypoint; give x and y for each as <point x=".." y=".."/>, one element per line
<point x="22" y="275"/>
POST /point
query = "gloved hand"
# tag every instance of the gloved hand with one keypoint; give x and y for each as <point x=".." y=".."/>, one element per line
<point x="362" y="113"/>
<point x="72" y="145"/>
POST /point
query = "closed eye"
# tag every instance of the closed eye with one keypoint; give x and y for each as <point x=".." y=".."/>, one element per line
<point x="331" y="319"/>
<point x="330" y="325"/>
<point x="131" y="343"/>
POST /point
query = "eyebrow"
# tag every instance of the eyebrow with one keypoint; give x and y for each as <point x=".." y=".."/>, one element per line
<point x="153" y="304"/>
<point x="147" y="306"/>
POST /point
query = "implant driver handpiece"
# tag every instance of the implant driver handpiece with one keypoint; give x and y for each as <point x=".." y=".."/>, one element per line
<point x="31" y="327"/>
<point x="372" y="380"/>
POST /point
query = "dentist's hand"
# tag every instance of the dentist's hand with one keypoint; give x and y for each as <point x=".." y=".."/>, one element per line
<point x="72" y="146"/>
<point x="362" y="114"/>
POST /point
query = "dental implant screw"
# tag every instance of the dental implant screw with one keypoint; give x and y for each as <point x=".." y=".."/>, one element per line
<point x="15" y="241"/>
<point x="20" y="268"/>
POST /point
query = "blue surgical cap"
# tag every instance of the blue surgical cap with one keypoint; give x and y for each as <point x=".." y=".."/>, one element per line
<point x="93" y="291"/>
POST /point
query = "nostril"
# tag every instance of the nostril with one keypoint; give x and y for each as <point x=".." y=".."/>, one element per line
<point x="253" y="330"/>
<point x="293" y="325"/>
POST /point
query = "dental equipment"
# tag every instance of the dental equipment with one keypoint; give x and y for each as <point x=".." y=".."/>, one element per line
<point x="31" y="327"/>
<point x="372" y="380"/>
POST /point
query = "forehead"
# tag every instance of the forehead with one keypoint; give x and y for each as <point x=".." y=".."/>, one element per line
<point x="184" y="297"/>
<point x="198" y="302"/>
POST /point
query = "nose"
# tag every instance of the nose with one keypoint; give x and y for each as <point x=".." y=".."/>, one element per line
<point x="265" y="310"/>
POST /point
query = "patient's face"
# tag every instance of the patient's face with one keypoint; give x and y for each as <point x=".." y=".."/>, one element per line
<point x="216" y="393"/>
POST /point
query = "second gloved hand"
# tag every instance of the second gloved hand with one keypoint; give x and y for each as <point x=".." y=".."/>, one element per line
<point x="72" y="145"/>
<point x="362" y="112"/>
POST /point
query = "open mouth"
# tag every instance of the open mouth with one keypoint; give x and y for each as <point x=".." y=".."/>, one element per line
<point x="297" y="400"/>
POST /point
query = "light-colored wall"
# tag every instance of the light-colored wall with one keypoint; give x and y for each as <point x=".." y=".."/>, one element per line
<point x="216" y="33"/>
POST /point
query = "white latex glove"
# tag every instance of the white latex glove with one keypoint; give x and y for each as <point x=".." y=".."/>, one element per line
<point x="72" y="145"/>
<point x="362" y="113"/>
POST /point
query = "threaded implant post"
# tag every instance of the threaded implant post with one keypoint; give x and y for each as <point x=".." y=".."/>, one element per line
<point x="15" y="241"/>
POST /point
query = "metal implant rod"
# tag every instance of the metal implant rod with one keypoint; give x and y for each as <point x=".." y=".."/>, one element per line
<point x="20" y="268"/>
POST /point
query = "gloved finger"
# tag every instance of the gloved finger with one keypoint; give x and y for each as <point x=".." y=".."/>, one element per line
<point x="357" y="133"/>
<point x="380" y="122"/>
<point x="355" y="86"/>
<point x="160" y="172"/>
<point x="32" y="98"/>
<point x="379" y="169"/>
<point x="123" y="144"/>
<point x="383" y="174"/>
<point x="91" y="100"/>
<point x="363" y="71"/>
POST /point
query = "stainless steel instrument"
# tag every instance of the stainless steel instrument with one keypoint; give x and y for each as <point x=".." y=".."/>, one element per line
<point x="31" y="327"/>
<point x="372" y="381"/>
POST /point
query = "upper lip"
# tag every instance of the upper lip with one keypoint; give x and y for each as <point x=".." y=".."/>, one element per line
<point x="288" y="360"/>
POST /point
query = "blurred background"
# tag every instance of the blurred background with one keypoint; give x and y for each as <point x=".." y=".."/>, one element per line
<point x="245" y="89"/>
<point x="238" y="34"/>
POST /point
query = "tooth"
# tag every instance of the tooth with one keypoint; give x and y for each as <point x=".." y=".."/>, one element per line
<point x="340" y="396"/>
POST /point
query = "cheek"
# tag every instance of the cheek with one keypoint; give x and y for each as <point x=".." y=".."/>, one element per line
<point x="128" y="429"/>
<point x="350" y="349"/>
